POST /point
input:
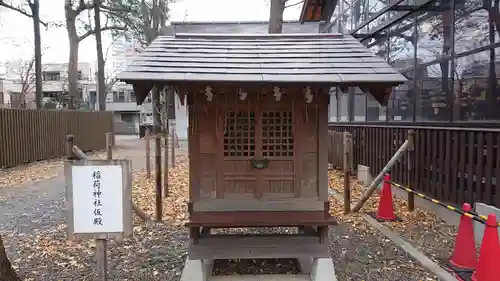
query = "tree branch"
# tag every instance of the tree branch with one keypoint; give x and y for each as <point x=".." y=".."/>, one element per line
<point x="19" y="10"/>
<point x="294" y="4"/>
<point x="82" y="6"/>
<point x="92" y="31"/>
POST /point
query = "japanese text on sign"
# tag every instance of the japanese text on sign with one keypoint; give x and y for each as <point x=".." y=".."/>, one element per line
<point x="96" y="175"/>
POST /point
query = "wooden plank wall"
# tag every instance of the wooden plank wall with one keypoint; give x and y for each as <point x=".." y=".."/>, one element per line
<point x="454" y="165"/>
<point x="336" y="149"/>
<point x="32" y="135"/>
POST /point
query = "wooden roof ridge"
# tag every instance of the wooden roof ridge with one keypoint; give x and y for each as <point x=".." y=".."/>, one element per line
<point x="257" y="35"/>
<point x="326" y="59"/>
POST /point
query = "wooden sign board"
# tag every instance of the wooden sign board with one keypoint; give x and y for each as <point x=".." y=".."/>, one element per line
<point x="99" y="199"/>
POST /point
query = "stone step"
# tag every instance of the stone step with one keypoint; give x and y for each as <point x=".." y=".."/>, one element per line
<point x="268" y="277"/>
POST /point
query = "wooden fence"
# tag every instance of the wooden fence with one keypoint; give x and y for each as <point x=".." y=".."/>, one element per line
<point x="32" y="135"/>
<point x="451" y="164"/>
<point x="336" y="149"/>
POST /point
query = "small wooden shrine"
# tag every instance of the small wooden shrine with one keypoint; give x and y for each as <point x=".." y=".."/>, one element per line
<point x="258" y="125"/>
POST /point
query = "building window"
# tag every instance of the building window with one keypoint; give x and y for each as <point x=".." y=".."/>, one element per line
<point x="239" y="134"/>
<point x="277" y="133"/>
<point x="133" y="98"/>
<point x="79" y="75"/>
<point x="128" y="118"/>
<point x="93" y="97"/>
<point x="121" y="96"/>
<point x="51" y="76"/>
<point x="115" y="96"/>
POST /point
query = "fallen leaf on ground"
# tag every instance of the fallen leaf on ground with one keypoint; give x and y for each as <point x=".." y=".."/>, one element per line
<point x="422" y="228"/>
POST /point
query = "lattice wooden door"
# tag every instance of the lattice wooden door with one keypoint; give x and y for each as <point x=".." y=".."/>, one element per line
<point x="258" y="153"/>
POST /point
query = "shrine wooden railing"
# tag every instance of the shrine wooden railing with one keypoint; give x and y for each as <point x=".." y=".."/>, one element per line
<point x="28" y="135"/>
<point x="451" y="164"/>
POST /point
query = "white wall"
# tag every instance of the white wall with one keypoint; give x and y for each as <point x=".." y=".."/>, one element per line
<point x="181" y="118"/>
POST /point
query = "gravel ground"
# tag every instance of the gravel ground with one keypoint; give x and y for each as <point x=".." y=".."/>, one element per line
<point x="155" y="253"/>
<point x="360" y="252"/>
<point x="32" y="226"/>
<point x="34" y="233"/>
<point x="422" y="229"/>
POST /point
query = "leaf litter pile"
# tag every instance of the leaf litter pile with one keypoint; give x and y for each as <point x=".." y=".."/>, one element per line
<point x="421" y="228"/>
<point x="361" y="252"/>
<point x="154" y="253"/>
<point x="36" y="171"/>
<point x="158" y="252"/>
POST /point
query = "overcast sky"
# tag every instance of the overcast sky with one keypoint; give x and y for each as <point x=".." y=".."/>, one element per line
<point x="16" y="31"/>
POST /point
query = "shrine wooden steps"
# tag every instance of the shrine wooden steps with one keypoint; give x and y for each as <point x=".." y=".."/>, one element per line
<point x="257" y="247"/>
<point x="260" y="219"/>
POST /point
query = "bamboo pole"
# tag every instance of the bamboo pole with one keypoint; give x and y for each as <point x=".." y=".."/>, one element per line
<point x="401" y="151"/>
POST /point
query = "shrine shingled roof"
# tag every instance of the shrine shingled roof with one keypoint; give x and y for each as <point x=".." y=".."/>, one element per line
<point x="309" y="58"/>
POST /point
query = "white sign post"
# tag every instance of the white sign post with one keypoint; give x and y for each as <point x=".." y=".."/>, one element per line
<point x="99" y="200"/>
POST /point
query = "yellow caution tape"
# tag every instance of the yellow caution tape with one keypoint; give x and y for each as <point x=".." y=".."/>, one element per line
<point x="478" y="217"/>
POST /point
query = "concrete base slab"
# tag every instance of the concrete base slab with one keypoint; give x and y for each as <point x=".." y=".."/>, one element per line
<point x="305" y="265"/>
<point x="270" y="277"/>
<point x="323" y="270"/>
<point x="484" y="210"/>
<point x="196" y="270"/>
<point x="364" y="175"/>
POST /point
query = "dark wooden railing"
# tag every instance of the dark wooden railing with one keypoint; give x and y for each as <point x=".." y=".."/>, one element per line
<point x="31" y="135"/>
<point x="451" y="164"/>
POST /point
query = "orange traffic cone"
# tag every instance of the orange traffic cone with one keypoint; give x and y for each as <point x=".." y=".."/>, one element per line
<point x="464" y="255"/>
<point x="385" y="210"/>
<point x="488" y="268"/>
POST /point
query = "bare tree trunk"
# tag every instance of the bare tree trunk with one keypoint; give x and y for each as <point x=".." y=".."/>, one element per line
<point x="276" y="16"/>
<point x="7" y="273"/>
<point x="35" y="11"/>
<point x="100" y="58"/>
<point x="73" y="57"/>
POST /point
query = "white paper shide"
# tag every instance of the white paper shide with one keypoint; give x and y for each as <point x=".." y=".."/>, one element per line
<point x="97" y="199"/>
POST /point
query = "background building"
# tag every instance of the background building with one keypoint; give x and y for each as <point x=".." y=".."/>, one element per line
<point x="18" y="85"/>
<point x="448" y="51"/>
